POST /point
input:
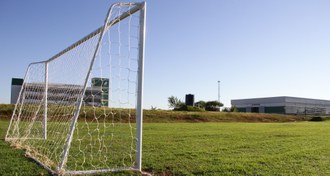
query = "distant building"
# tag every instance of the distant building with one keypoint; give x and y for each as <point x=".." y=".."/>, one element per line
<point x="16" y="85"/>
<point x="96" y="95"/>
<point x="190" y="100"/>
<point x="283" y="105"/>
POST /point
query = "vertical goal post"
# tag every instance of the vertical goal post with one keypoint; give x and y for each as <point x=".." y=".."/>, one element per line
<point x="99" y="80"/>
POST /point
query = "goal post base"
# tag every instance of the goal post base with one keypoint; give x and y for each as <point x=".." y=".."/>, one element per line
<point x="83" y="172"/>
<point x="98" y="171"/>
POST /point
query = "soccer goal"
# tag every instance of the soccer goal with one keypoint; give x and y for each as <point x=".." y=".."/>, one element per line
<point x="80" y="112"/>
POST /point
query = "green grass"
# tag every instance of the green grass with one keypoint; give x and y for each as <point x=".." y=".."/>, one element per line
<point x="238" y="148"/>
<point x="12" y="161"/>
<point x="300" y="148"/>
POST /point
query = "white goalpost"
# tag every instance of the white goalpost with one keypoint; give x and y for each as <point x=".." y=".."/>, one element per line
<point x="80" y="112"/>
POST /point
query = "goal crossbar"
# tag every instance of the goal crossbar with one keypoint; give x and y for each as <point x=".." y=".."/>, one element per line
<point x="137" y="7"/>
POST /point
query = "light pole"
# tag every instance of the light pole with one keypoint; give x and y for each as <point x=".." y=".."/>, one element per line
<point x="219" y="93"/>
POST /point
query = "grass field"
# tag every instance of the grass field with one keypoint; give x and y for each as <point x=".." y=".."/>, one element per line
<point x="296" y="148"/>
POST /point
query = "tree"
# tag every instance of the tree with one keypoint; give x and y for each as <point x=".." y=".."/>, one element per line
<point x="201" y="104"/>
<point x="213" y="106"/>
<point x="174" y="102"/>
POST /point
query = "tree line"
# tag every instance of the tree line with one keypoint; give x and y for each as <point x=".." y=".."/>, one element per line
<point x="178" y="105"/>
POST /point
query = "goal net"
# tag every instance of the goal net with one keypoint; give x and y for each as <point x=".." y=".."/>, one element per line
<point x="80" y="112"/>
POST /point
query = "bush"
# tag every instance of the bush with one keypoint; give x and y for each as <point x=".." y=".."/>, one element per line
<point x="213" y="106"/>
<point x="174" y="102"/>
<point x="317" y="119"/>
<point x="200" y="104"/>
<point x="231" y="109"/>
<point x="188" y="108"/>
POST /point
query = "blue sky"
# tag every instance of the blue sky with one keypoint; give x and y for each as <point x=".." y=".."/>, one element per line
<point x="256" y="48"/>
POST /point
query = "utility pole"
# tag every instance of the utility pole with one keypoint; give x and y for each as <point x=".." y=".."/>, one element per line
<point x="219" y="91"/>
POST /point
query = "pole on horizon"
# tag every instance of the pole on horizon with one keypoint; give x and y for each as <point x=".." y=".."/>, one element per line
<point x="219" y="93"/>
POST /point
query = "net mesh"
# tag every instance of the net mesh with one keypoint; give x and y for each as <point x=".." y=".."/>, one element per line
<point x="104" y="135"/>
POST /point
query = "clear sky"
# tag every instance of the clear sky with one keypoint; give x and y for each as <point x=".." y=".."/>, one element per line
<point x="256" y="48"/>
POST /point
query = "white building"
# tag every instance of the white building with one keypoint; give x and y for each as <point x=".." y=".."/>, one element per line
<point x="96" y="95"/>
<point x="283" y="105"/>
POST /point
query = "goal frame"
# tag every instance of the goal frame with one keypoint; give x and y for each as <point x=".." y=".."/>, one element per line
<point x="137" y="8"/>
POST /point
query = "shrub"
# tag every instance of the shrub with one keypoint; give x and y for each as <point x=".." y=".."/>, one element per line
<point x="317" y="119"/>
<point x="188" y="108"/>
<point x="174" y="102"/>
<point x="200" y="104"/>
<point x="213" y="106"/>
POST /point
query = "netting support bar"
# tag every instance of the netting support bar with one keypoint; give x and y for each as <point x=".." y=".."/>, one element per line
<point x="45" y="101"/>
<point x="139" y="108"/>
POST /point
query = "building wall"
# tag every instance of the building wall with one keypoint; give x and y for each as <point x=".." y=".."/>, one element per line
<point x="275" y="109"/>
<point x="283" y="105"/>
